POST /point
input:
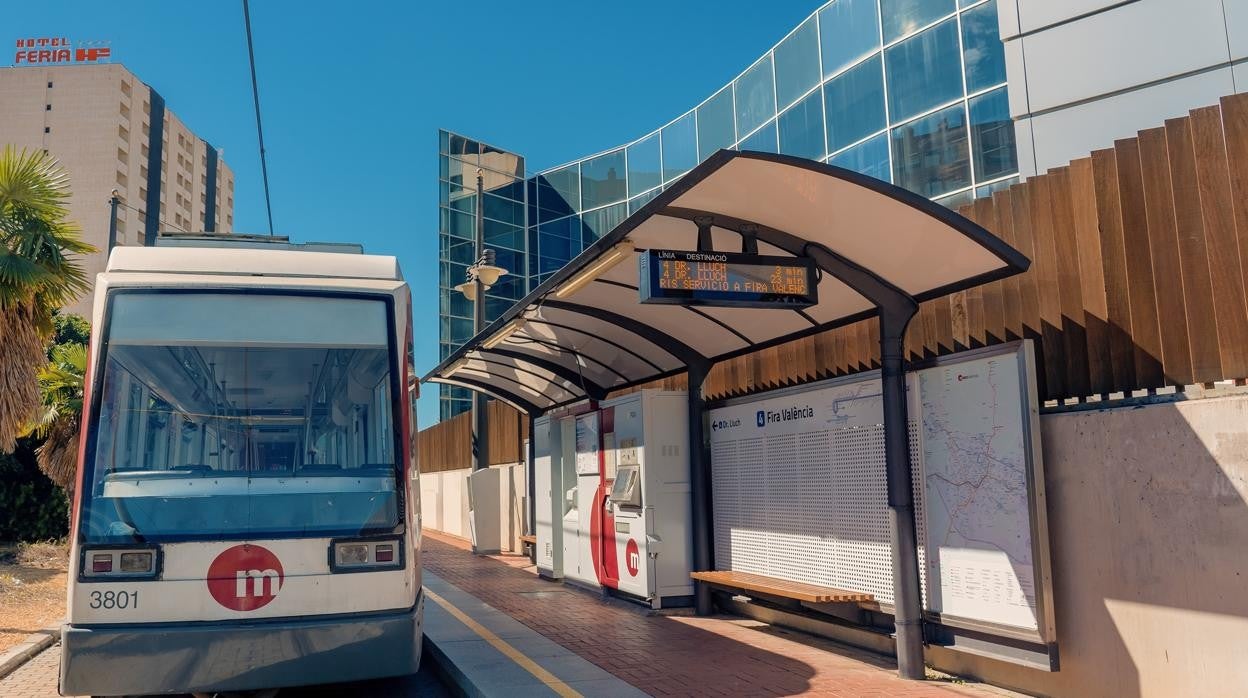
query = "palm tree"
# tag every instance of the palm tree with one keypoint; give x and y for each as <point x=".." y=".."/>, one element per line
<point x="58" y="419"/>
<point x="37" y="275"/>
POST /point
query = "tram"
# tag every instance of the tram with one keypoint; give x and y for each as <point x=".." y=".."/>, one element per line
<point x="247" y="509"/>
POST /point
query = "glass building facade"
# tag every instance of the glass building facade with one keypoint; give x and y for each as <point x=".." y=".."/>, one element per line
<point x="908" y="91"/>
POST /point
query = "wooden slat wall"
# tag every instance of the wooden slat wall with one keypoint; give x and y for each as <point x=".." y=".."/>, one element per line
<point x="447" y="445"/>
<point x="1139" y="280"/>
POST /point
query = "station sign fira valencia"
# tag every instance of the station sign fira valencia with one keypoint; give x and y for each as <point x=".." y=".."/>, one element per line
<point x="683" y="277"/>
<point x="58" y="50"/>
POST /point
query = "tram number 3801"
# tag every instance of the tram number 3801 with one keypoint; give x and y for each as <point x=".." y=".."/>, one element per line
<point x="114" y="599"/>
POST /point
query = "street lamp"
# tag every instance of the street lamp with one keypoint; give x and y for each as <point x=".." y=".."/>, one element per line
<point x="483" y="274"/>
<point x="113" y="200"/>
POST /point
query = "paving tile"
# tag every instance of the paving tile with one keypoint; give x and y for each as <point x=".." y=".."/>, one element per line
<point x="666" y="654"/>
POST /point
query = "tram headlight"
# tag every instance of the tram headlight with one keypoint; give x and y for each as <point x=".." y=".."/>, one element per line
<point x="352" y="553"/>
<point x="114" y="563"/>
<point x="367" y="555"/>
<point x="136" y="562"/>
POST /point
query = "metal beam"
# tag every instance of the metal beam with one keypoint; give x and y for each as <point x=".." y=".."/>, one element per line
<point x="592" y="389"/>
<point x="509" y="379"/>
<point x="683" y="352"/>
<point x="594" y="337"/>
<point x="495" y="392"/>
<point x="483" y="357"/>
<point x="700" y="488"/>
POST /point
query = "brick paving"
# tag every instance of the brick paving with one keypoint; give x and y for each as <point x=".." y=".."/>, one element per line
<point x="674" y="654"/>
<point x="36" y="678"/>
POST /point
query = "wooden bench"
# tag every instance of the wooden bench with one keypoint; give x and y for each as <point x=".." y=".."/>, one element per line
<point x="531" y="540"/>
<point x="783" y="588"/>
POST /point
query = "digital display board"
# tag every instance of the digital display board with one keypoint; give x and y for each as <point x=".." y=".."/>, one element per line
<point x="683" y="277"/>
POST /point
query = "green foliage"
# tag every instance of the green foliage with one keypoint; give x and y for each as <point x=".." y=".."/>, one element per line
<point x="37" y="242"/>
<point x="69" y="329"/>
<point x="61" y="383"/>
<point x="31" y="507"/>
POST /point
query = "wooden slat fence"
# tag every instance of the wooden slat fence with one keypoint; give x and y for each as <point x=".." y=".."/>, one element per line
<point x="447" y="445"/>
<point x="1139" y="279"/>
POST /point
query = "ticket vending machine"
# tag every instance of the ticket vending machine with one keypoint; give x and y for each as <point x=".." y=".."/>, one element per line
<point x="625" y="506"/>
<point x="548" y="496"/>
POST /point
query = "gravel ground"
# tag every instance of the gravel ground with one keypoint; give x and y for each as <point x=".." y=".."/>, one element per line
<point x="32" y="589"/>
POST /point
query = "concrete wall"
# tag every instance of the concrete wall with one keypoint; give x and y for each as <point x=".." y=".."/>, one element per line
<point x="444" y="503"/>
<point x="1148" y="519"/>
<point x="1084" y="72"/>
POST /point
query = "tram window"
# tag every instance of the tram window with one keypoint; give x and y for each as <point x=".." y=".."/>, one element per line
<point x="244" y="415"/>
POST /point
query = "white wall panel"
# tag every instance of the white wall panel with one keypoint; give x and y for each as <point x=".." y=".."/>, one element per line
<point x="1072" y="133"/>
<point x="1122" y="48"/>
<point x="1237" y="28"/>
<point x="1036" y="14"/>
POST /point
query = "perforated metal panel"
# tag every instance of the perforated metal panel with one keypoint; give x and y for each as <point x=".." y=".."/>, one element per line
<point x="810" y="505"/>
<point x="860" y="527"/>
<point x="919" y="493"/>
<point x="818" y="507"/>
<point x="748" y="537"/>
<point x="725" y="487"/>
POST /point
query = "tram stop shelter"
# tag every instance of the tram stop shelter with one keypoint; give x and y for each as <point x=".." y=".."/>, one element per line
<point x="879" y="250"/>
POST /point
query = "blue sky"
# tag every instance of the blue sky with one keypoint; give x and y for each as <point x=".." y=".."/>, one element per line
<point x="353" y="94"/>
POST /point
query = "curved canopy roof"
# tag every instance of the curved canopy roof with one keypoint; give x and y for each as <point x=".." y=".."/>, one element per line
<point x="584" y="331"/>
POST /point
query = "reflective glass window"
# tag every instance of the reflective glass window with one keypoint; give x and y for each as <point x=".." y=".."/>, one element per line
<point x="902" y="17"/>
<point x="559" y="192"/>
<point x="930" y="154"/>
<point x="643" y="165"/>
<point x="501" y="185"/>
<point x="992" y="136"/>
<point x="602" y="180"/>
<point x="465" y="148"/>
<point x="756" y="97"/>
<point x="855" y="104"/>
<point x="956" y="201"/>
<point x="458" y="171"/>
<point x="924" y="71"/>
<point x="504" y="210"/>
<point x="848" y="30"/>
<point x="532" y="251"/>
<point x="801" y="128"/>
<point x="982" y="48"/>
<point x="460" y="225"/>
<point x="600" y="222"/>
<point x="501" y="161"/>
<point x="680" y="147"/>
<point x="763" y="140"/>
<point x="990" y="189"/>
<point x="797" y="63"/>
<point x="642" y="200"/>
<point x="501" y="235"/>
<point x="869" y="158"/>
<point x="715" y="124"/>
<point x="171" y="452"/>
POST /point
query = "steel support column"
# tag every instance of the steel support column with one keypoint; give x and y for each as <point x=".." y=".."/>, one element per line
<point x="700" y="487"/>
<point x="908" y="611"/>
<point x="480" y="408"/>
<point x="530" y="485"/>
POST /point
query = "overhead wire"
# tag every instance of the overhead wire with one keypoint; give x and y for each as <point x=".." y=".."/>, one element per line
<point x="255" y="93"/>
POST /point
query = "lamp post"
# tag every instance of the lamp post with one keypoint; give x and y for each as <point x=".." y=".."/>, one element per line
<point x="481" y="276"/>
<point x="113" y="200"/>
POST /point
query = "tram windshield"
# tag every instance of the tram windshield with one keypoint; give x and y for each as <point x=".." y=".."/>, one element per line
<point x="230" y="415"/>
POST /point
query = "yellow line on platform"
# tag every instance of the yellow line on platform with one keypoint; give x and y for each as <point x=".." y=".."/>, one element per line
<point x="552" y="682"/>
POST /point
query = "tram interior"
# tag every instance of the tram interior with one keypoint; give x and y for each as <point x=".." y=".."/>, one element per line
<point x="209" y="440"/>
